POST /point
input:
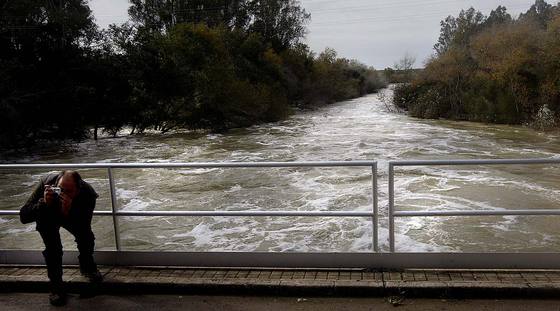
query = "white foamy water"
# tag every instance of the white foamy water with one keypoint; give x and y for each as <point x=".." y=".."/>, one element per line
<point x="359" y="129"/>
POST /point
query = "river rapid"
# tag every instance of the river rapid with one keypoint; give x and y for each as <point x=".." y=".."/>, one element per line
<point x="359" y="129"/>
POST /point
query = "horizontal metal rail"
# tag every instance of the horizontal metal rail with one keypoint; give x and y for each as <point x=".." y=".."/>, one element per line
<point x="190" y="165"/>
<point x="522" y="212"/>
<point x="475" y="162"/>
<point x="222" y="213"/>
<point x="9" y="213"/>
<point x="115" y="213"/>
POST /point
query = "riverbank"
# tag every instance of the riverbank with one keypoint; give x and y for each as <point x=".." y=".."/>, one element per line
<point x="424" y="100"/>
<point x="180" y="74"/>
<point x="494" y="69"/>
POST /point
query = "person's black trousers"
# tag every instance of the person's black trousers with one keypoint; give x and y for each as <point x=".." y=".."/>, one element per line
<point x="79" y="225"/>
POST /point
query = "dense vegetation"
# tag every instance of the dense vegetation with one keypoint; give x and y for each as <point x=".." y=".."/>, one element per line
<point x="204" y="64"/>
<point x="492" y="68"/>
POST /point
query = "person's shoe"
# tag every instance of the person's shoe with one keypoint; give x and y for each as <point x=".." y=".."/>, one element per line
<point x="94" y="276"/>
<point x="57" y="299"/>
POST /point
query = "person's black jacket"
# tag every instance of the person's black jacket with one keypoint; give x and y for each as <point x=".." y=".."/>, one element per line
<point x="82" y="205"/>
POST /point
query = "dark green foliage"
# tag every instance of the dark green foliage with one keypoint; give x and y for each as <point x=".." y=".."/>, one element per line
<point x="203" y="64"/>
<point x="491" y="69"/>
<point x="42" y="67"/>
<point x="498" y="16"/>
<point x="456" y="32"/>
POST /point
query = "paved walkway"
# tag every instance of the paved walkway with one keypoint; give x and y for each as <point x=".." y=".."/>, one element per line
<point x="39" y="301"/>
<point x="296" y="282"/>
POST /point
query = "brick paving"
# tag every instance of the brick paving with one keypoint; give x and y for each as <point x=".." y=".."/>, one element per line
<point x="294" y="281"/>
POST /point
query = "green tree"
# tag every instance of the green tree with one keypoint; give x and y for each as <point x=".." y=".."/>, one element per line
<point x="541" y="13"/>
<point x="280" y="22"/>
<point x="494" y="69"/>
<point x="203" y="64"/>
<point x="41" y="57"/>
<point x="457" y="31"/>
<point x="162" y="15"/>
<point x="498" y="16"/>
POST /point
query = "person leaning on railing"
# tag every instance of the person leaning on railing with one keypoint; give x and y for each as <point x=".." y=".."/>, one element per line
<point x="63" y="200"/>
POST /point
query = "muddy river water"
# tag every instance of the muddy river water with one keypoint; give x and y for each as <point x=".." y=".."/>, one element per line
<point x="359" y="129"/>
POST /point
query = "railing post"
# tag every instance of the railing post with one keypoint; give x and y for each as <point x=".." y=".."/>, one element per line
<point x="391" y="208"/>
<point x="114" y="209"/>
<point x="374" y="220"/>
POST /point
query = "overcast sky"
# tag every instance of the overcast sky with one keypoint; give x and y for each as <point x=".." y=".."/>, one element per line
<point x="376" y="32"/>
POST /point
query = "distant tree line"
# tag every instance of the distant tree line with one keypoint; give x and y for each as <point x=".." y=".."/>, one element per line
<point x="402" y="71"/>
<point x="492" y="68"/>
<point x="197" y="64"/>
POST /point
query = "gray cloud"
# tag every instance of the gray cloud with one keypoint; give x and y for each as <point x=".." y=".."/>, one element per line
<point x="109" y="11"/>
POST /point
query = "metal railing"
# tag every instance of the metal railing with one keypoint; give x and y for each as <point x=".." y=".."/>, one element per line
<point x="115" y="213"/>
<point x="392" y="213"/>
<point x="375" y="259"/>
